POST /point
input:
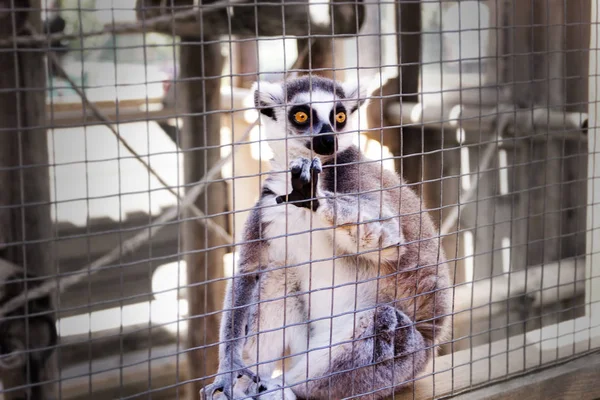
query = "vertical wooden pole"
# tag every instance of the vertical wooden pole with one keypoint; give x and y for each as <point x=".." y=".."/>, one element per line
<point x="409" y="49"/>
<point x="201" y="69"/>
<point x="402" y="141"/>
<point x="245" y="63"/>
<point x="319" y="57"/>
<point x="574" y="191"/>
<point x="24" y="176"/>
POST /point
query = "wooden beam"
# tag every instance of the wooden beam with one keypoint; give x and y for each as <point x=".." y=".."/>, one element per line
<point x="71" y="113"/>
<point x="201" y="70"/>
<point x="249" y="20"/>
<point x="24" y="175"/>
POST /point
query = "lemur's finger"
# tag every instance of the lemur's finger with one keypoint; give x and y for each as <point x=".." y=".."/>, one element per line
<point x="300" y="172"/>
<point x="208" y="392"/>
<point x="386" y="319"/>
<point x="246" y="372"/>
<point x="315" y="170"/>
<point x="297" y="164"/>
<point x="305" y="175"/>
<point x="316" y="165"/>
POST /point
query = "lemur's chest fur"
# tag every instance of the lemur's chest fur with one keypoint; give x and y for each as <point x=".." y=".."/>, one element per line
<point x="336" y="284"/>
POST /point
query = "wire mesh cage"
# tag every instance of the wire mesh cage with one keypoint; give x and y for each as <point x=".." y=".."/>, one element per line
<point x="298" y="199"/>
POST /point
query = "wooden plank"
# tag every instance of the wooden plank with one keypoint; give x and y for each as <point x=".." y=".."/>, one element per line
<point x="455" y="373"/>
<point x="76" y="118"/>
<point x="126" y="282"/>
<point x="506" y="305"/>
<point x="158" y="373"/>
<point x="85" y="348"/>
<point x="71" y="114"/>
<point x="486" y="364"/>
<point x="73" y="103"/>
<point x="576" y="380"/>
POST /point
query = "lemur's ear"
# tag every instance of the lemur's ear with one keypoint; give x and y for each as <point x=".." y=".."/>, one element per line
<point x="355" y="95"/>
<point x="267" y="95"/>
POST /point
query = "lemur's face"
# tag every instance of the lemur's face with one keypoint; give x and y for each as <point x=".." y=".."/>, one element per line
<point x="307" y="116"/>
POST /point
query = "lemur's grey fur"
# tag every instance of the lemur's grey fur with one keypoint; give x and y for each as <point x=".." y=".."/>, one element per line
<point x="340" y="268"/>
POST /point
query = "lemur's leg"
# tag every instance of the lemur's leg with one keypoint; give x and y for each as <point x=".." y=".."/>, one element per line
<point x="363" y="222"/>
<point x="386" y="351"/>
<point x="267" y="333"/>
<point x="248" y="310"/>
<point x="275" y="323"/>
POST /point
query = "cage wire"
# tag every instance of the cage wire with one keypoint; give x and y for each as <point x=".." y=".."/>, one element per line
<point x="133" y="163"/>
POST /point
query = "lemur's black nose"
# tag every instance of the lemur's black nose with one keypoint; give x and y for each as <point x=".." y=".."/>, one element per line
<point x="324" y="143"/>
<point x="326" y="128"/>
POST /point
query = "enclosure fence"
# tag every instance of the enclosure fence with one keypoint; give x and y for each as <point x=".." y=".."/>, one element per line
<point x="138" y="173"/>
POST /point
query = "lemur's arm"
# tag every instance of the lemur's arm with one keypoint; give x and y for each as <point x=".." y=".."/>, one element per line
<point x="363" y="224"/>
<point x="367" y="224"/>
<point x="239" y="296"/>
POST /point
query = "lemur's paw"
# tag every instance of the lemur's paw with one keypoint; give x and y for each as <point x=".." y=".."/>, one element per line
<point x="405" y="333"/>
<point x="386" y="319"/>
<point x="221" y="388"/>
<point x="273" y="389"/>
<point x="403" y="320"/>
<point x="373" y="234"/>
<point x="224" y="387"/>
<point x="386" y="322"/>
<point x="300" y="169"/>
<point x="391" y="234"/>
<point x="394" y="331"/>
<point x="305" y="177"/>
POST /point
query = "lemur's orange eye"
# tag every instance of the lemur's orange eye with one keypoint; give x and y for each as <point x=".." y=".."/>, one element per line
<point x="340" y="117"/>
<point x="300" y="117"/>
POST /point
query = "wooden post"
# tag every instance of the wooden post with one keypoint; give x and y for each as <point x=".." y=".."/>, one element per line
<point x="201" y="70"/>
<point x="402" y="141"/>
<point x="24" y="176"/>
<point x="245" y="63"/>
<point x="319" y="57"/>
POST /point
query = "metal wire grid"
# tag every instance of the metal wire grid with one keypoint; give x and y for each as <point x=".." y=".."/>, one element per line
<point x="133" y="234"/>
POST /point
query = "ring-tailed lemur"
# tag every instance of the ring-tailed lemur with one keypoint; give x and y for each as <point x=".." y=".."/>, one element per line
<point x="340" y="267"/>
